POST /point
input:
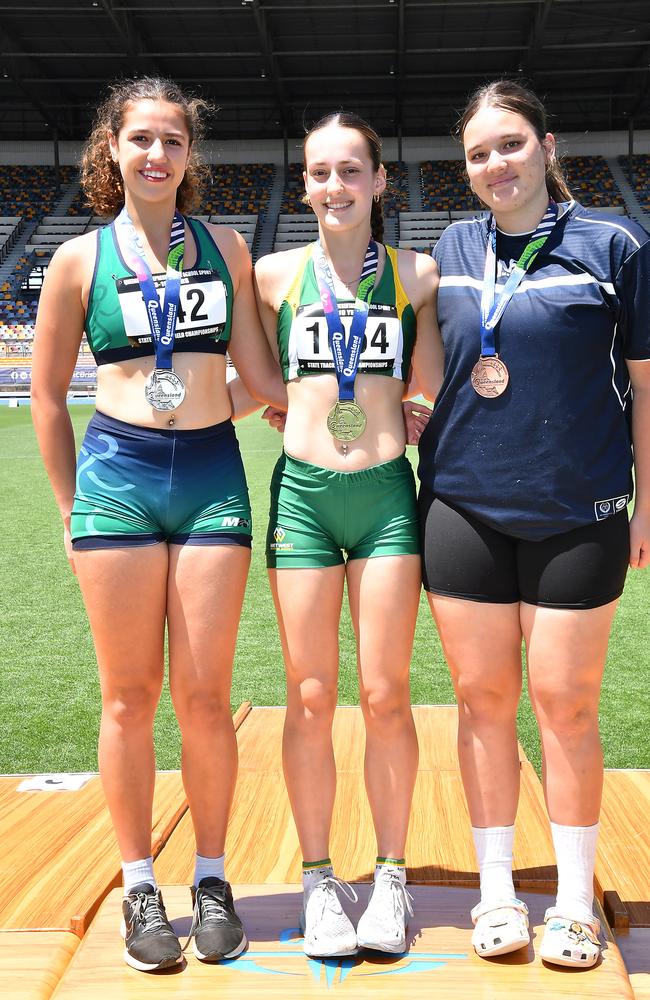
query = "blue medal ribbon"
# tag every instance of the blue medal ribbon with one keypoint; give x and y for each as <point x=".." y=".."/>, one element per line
<point x="491" y="311"/>
<point x="346" y="355"/>
<point x="162" y="322"/>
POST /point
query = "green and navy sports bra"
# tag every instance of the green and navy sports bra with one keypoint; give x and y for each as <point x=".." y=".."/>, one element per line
<point x="116" y="321"/>
<point x="303" y="342"/>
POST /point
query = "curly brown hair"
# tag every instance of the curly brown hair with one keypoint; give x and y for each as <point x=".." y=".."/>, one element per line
<point x="101" y="180"/>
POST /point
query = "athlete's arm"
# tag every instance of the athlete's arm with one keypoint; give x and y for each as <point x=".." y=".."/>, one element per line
<point x="270" y="283"/>
<point x="428" y="353"/>
<point x="248" y="347"/>
<point x="640" y="522"/>
<point x="59" y="328"/>
<point x="419" y="275"/>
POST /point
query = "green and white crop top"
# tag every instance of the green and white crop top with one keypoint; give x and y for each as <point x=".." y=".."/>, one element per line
<point x="116" y="321"/>
<point x="303" y="342"/>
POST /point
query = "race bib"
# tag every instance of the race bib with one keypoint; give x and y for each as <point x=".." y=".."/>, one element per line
<point x="201" y="309"/>
<point x="381" y="341"/>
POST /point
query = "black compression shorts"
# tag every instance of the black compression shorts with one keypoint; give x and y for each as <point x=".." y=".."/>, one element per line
<point x="463" y="557"/>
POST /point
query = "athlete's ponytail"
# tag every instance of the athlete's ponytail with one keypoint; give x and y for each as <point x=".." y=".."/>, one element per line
<point x="377" y="219"/>
<point x="347" y="119"/>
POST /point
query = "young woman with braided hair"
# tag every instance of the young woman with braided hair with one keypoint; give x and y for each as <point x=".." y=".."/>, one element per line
<point x="347" y="318"/>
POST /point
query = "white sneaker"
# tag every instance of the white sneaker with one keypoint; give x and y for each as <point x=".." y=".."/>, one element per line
<point x="327" y="929"/>
<point x="382" y="926"/>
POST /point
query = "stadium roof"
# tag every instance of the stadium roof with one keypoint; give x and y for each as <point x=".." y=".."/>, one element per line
<point x="272" y="65"/>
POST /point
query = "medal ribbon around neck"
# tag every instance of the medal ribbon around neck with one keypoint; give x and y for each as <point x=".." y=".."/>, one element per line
<point x="162" y="322"/>
<point x="492" y="312"/>
<point x="346" y="355"/>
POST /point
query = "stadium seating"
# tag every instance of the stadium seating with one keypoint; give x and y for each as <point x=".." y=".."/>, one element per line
<point x="640" y="177"/>
<point x="295" y="230"/>
<point x="591" y="182"/>
<point x="30" y="191"/>
<point x="238" y="189"/>
<point x="444" y="186"/>
<point x="10" y="226"/>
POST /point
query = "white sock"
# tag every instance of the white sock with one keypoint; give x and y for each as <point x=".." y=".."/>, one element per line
<point x="494" y="854"/>
<point x="575" y="853"/>
<point x="209" y="868"/>
<point x="312" y="873"/>
<point x="397" y="865"/>
<point x="136" y="872"/>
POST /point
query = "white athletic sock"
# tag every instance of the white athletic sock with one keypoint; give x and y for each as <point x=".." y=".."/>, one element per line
<point x="135" y="872"/>
<point x="494" y="854"/>
<point x="209" y="868"/>
<point x="575" y="853"/>
<point x="397" y="865"/>
<point x="313" y="872"/>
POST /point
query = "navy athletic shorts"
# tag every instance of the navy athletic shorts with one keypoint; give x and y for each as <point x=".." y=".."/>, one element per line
<point x="142" y="485"/>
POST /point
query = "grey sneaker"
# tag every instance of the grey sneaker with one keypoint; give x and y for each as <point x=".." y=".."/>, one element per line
<point x="149" y="939"/>
<point x="217" y="931"/>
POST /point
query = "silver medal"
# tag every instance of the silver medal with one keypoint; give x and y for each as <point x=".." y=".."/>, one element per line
<point x="164" y="389"/>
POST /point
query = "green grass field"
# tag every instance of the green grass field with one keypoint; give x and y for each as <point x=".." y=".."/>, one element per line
<point x="48" y="682"/>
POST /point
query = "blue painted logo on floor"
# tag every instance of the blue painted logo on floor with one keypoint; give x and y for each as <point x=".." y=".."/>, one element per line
<point x="336" y="969"/>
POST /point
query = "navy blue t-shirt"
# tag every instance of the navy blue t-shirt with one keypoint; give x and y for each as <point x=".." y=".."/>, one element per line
<point x="554" y="451"/>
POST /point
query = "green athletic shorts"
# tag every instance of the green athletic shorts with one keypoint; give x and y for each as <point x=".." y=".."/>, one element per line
<point x="319" y="514"/>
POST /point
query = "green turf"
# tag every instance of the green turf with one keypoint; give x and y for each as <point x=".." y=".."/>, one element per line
<point x="49" y="691"/>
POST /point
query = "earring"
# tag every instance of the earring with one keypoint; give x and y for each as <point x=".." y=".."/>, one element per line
<point x="306" y="200"/>
<point x="376" y="198"/>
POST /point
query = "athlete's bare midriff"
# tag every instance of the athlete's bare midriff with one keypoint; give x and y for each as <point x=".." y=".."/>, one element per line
<point x="120" y="392"/>
<point x="307" y="436"/>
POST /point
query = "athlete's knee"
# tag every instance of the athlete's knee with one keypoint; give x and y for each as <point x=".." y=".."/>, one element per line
<point x="569" y="708"/>
<point x="130" y="705"/>
<point x="487" y="699"/>
<point x="312" y="700"/>
<point x="386" y="704"/>
<point x="202" y="710"/>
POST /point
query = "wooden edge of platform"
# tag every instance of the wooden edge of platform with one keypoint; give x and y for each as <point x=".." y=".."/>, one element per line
<point x="614" y="908"/>
<point x="35" y="970"/>
<point x="241" y="714"/>
<point x="80" y="922"/>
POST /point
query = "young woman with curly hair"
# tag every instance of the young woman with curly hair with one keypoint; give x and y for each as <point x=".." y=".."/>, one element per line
<point x="157" y="522"/>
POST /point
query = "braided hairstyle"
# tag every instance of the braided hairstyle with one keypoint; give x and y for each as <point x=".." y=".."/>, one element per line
<point x="347" y="119"/>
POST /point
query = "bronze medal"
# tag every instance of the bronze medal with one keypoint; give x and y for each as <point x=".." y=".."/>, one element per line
<point x="346" y="421"/>
<point x="489" y="376"/>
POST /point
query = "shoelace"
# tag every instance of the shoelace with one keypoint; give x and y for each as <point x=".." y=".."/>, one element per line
<point x="208" y="907"/>
<point x="148" y="910"/>
<point x="330" y="886"/>
<point x="401" y="897"/>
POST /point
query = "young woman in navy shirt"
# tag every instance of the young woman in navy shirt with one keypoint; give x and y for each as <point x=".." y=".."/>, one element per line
<point x="526" y="469"/>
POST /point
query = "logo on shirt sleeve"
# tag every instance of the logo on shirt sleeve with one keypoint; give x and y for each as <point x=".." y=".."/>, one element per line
<point x="607" y="508"/>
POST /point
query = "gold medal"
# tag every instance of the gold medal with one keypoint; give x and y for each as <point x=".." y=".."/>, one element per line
<point x="346" y="421"/>
<point x="489" y="376"/>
